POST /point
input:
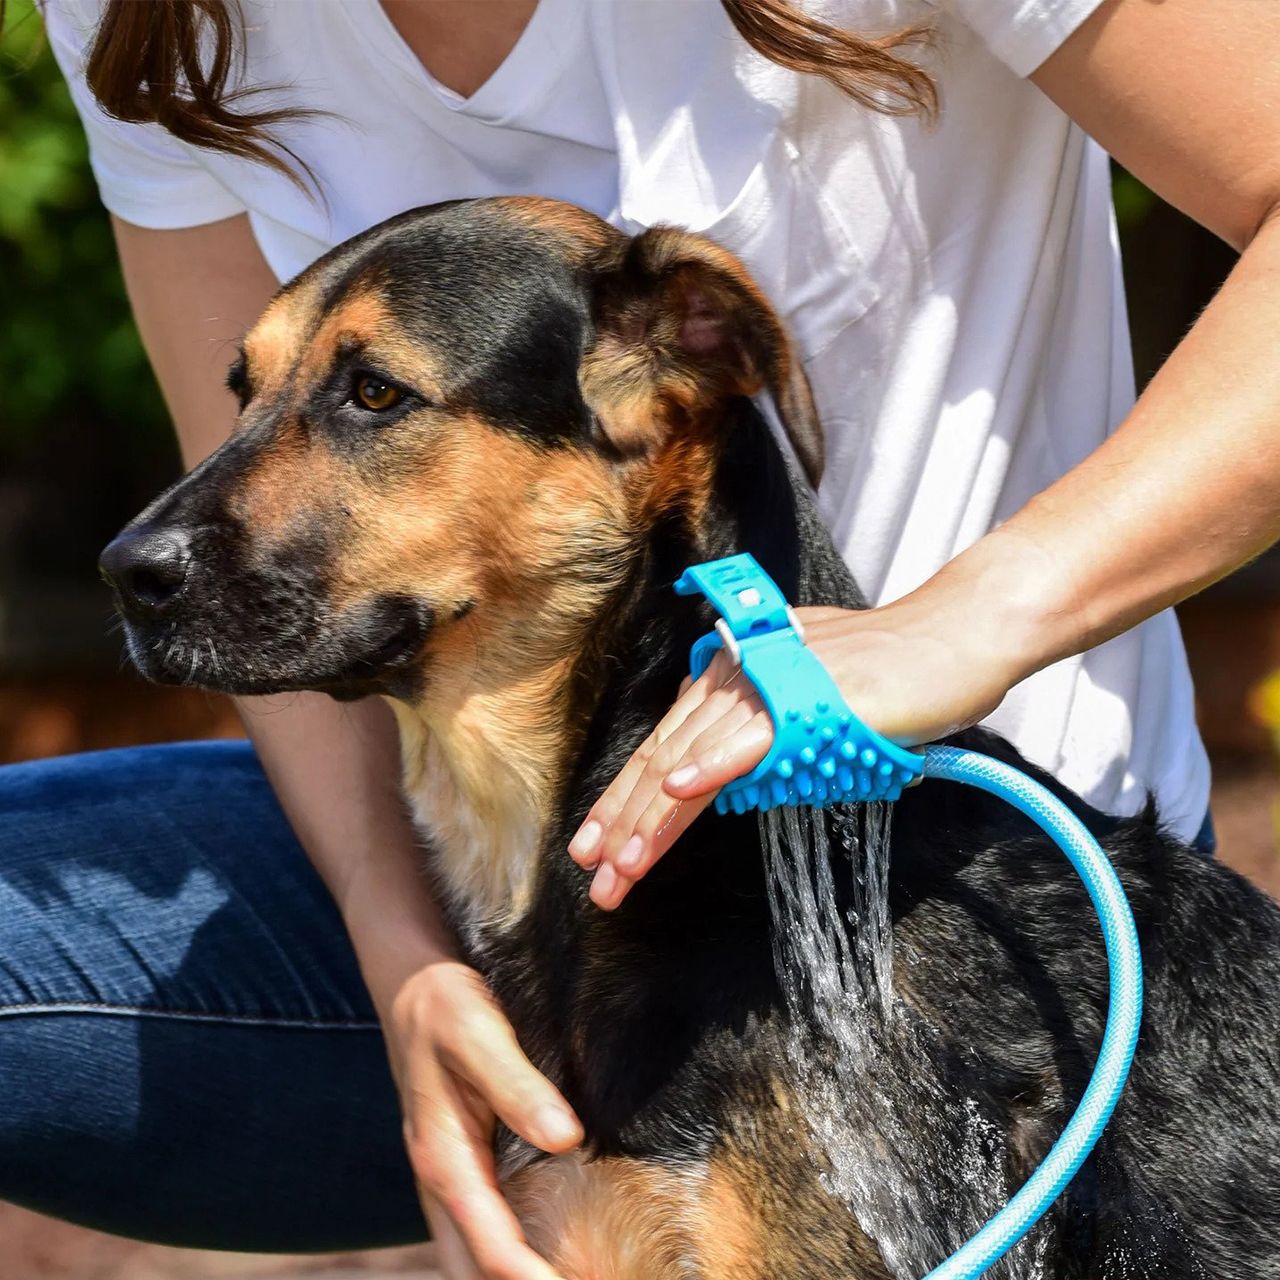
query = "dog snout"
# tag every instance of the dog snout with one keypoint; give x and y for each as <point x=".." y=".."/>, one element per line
<point x="147" y="569"/>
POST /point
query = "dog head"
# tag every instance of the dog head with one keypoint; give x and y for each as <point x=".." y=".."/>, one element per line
<point x="455" y="430"/>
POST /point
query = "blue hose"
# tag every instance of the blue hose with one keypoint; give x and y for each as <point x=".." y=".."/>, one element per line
<point x="1123" y="1017"/>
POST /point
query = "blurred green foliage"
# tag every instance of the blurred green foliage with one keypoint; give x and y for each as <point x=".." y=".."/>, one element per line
<point x="68" y="348"/>
<point x="1134" y="202"/>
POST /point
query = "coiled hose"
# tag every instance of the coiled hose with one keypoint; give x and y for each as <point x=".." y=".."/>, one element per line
<point x="1124" y="1016"/>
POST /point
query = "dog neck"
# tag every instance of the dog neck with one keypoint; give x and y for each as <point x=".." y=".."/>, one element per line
<point x="516" y="737"/>
<point x="481" y="776"/>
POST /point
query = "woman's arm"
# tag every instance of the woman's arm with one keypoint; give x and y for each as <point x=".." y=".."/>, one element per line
<point x="336" y="769"/>
<point x="1187" y="489"/>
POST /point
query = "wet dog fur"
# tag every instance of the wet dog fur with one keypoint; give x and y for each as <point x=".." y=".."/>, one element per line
<point x="571" y="425"/>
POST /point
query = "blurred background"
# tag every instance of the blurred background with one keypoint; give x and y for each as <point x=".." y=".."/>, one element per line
<point x="85" y="443"/>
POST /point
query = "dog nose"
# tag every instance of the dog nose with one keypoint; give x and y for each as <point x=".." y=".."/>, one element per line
<point x="147" y="568"/>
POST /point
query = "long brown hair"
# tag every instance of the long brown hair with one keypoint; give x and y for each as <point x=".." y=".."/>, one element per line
<point x="148" y="64"/>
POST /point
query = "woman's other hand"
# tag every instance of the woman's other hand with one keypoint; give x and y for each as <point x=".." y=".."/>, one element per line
<point x="459" y="1067"/>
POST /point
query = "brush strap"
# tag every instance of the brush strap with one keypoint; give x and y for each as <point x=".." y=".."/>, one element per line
<point x="822" y="753"/>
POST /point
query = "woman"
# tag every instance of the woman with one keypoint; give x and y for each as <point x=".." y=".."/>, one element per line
<point x="194" y="1053"/>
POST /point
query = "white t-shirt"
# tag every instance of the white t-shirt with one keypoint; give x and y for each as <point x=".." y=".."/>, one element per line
<point x="954" y="289"/>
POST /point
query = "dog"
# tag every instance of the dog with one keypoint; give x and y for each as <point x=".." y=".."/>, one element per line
<point x="477" y="445"/>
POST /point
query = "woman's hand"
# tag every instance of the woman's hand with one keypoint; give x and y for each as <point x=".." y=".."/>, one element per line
<point x="905" y="669"/>
<point x="458" y="1066"/>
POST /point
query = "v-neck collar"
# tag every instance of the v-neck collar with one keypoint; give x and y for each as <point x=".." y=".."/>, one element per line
<point x="523" y="78"/>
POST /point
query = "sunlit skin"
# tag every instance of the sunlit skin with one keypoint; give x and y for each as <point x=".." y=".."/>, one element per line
<point x="1185" y="96"/>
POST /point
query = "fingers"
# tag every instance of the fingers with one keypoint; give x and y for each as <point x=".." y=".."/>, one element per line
<point x="713" y="762"/>
<point x="450" y="1102"/>
<point x="451" y="1257"/>
<point x="648" y="808"/>
<point x="448" y="1149"/>
<point x="641" y="779"/>
<point x="587" y="845"/>
<point x="724" y="751"/>
<point x="716" y="731"/>
<point x="483" y="1050"/>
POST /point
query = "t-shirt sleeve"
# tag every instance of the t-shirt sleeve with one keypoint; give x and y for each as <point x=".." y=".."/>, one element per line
<point x="1021" y="33"/>
<point x="144" y="174"/>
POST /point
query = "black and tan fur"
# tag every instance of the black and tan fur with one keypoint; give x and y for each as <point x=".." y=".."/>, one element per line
<point x="495" y="554"/>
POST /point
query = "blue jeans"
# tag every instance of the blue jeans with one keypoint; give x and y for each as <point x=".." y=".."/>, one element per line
<point x="187" y="1051"/>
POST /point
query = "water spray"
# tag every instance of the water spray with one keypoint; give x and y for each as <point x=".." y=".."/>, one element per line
<point x="822" y="754"/>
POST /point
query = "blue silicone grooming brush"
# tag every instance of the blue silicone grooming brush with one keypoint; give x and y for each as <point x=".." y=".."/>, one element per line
<point x="822" y="753"/>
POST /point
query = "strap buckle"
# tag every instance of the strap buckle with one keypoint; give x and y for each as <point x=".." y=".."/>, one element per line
<point x="822" y="753"/>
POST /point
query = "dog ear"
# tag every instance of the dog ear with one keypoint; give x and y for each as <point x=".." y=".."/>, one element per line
<point x="680" y="328"/>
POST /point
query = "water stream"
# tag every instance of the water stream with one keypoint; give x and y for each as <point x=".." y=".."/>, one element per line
<point x="918" y="1164"/>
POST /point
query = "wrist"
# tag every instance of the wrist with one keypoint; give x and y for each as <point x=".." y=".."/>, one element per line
<point x="390" y="961"/>
<point x="395" y="935"/>
<point x="1011" y="601"/>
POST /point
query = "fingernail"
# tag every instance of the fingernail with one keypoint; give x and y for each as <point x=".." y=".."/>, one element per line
<point x="683" y="776"/>
<point x="604" y="885"/>
<point x="630" y="855"/>
<point x="556" y="1125"/>
<point x="587" y="838"/>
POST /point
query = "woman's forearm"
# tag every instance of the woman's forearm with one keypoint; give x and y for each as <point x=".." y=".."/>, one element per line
<point x="335" y="768"/>
<point x="1186" y="490"/>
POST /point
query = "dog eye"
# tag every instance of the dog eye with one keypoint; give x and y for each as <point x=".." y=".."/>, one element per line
<point x="377" y="395"/>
